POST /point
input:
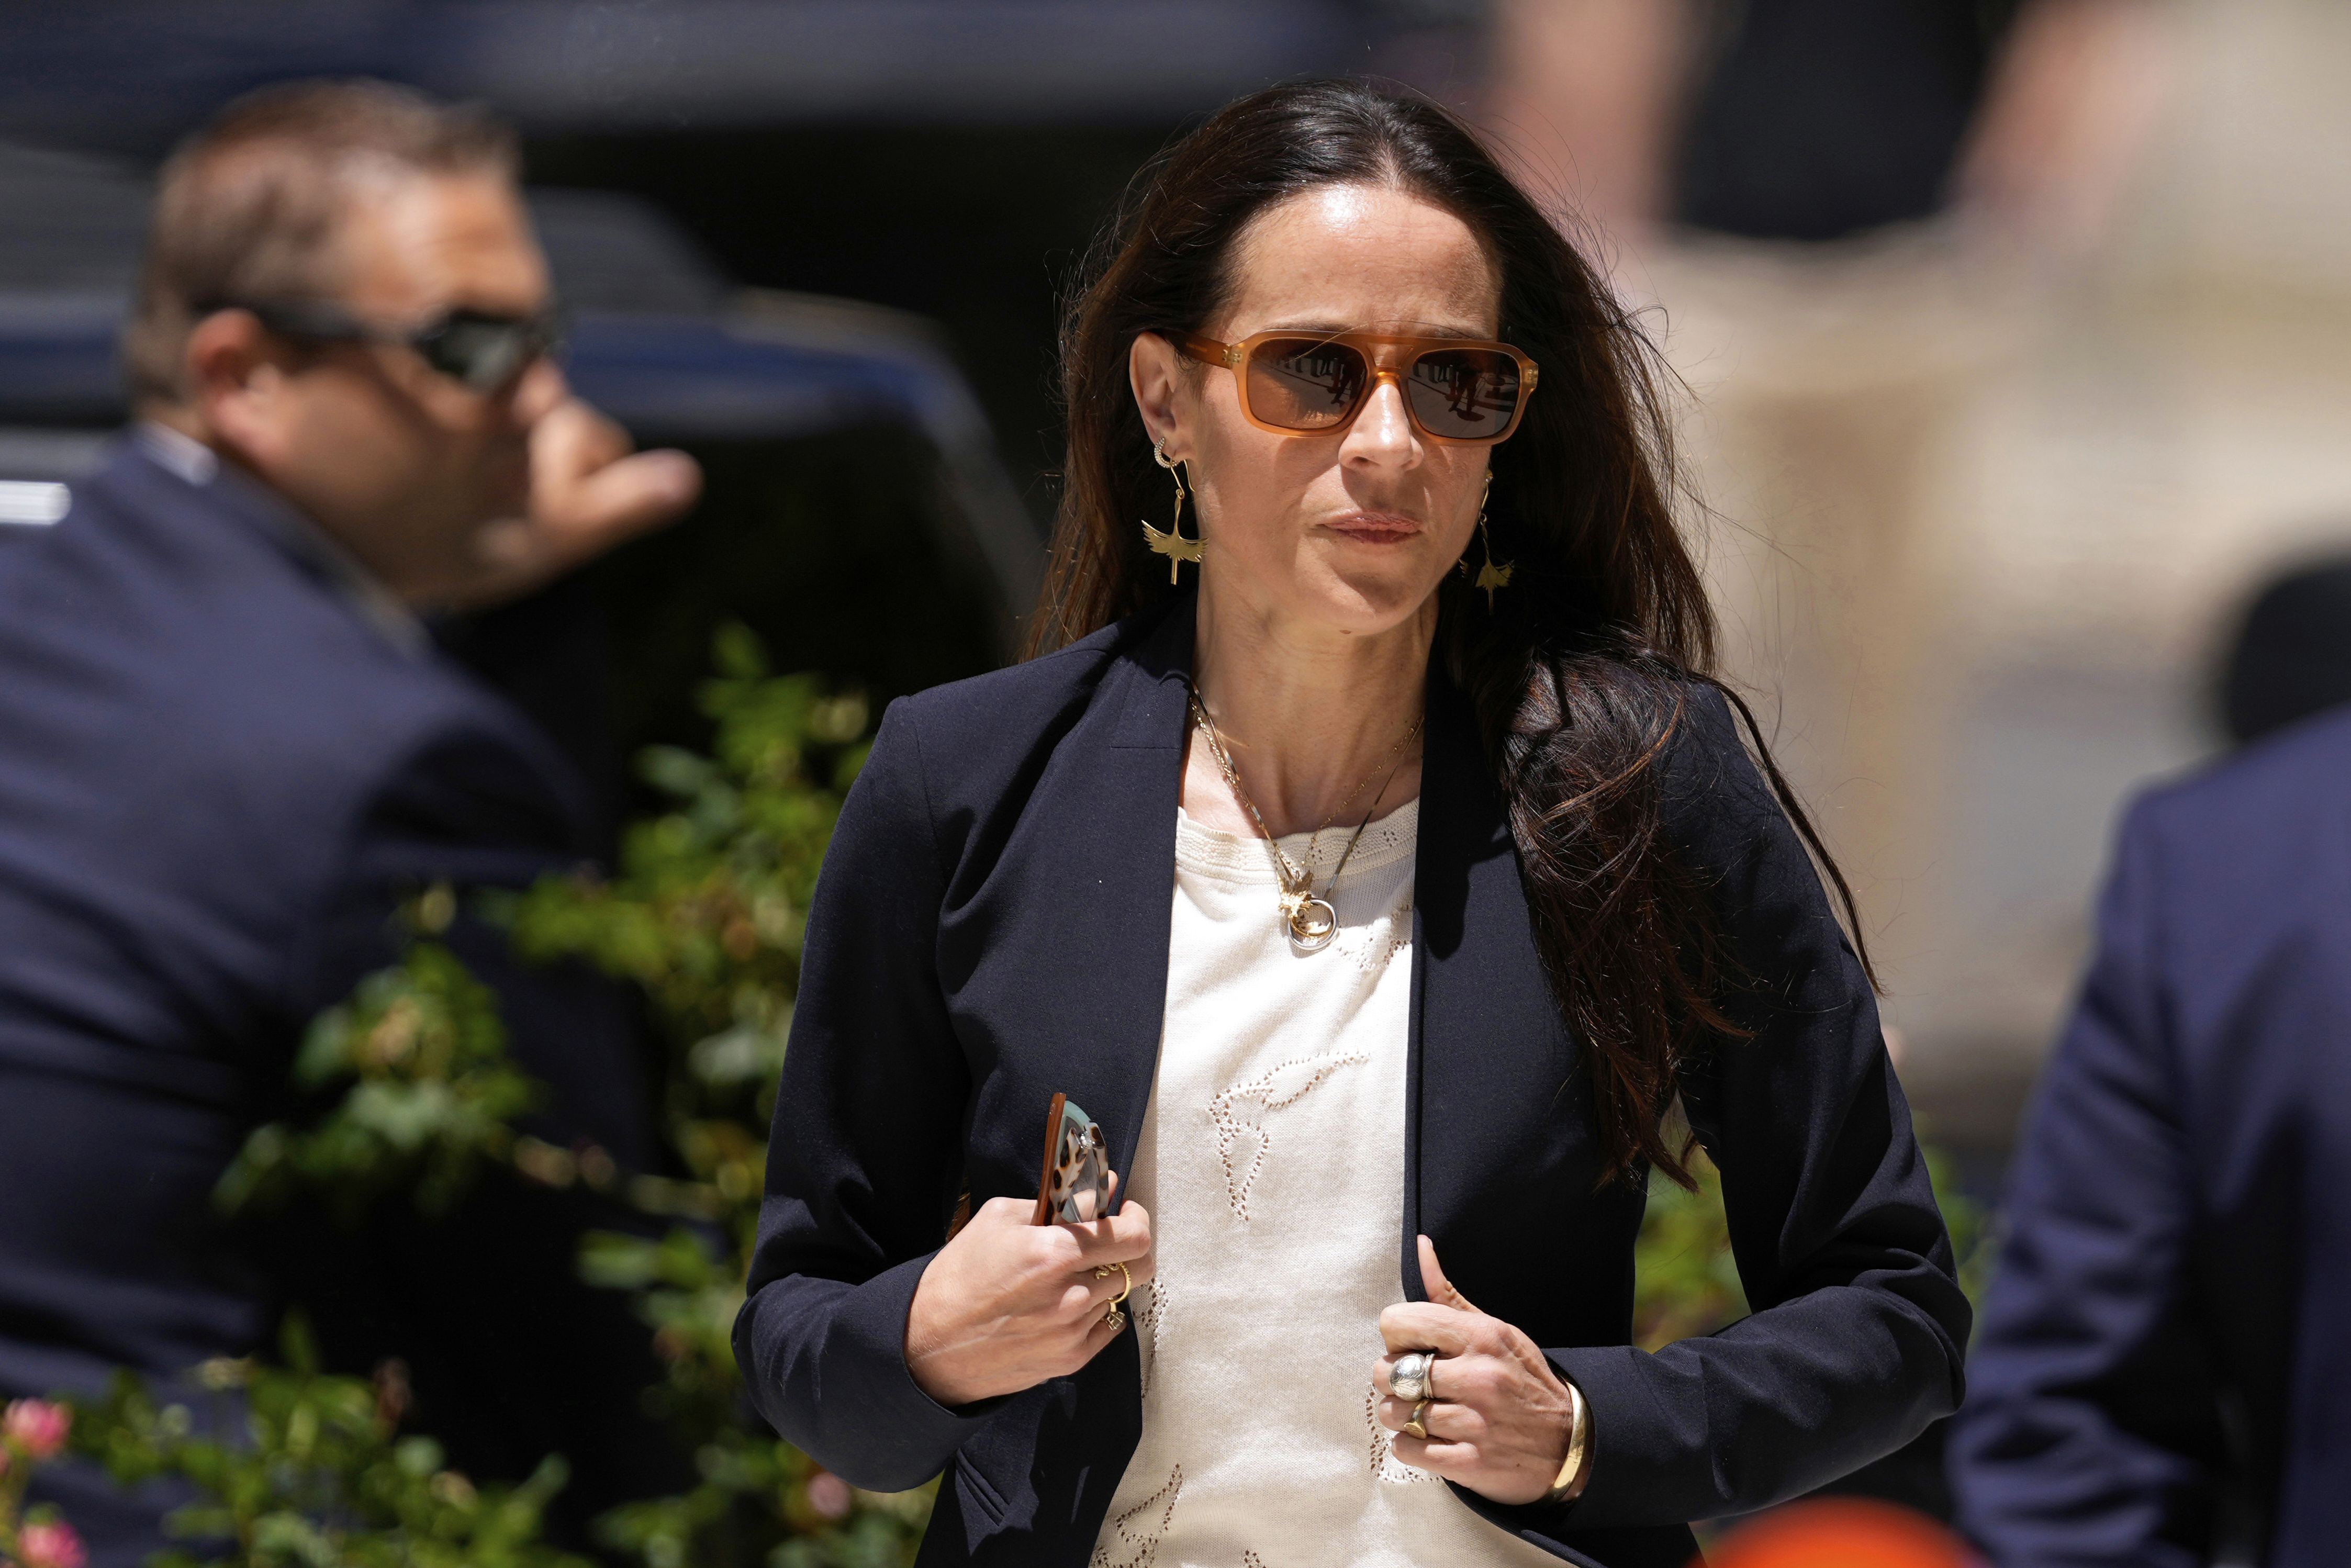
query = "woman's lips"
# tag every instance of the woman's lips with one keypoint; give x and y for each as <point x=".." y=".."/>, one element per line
<point x="1374" y="527"/>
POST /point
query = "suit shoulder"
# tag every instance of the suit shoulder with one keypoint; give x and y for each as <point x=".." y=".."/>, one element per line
<point x="2279" y="791"/>
<point x="231" y="673"/>
<point x="331" y="701"/>
<point x="1715" y="797"/>
<point x="972" y="752"/>
<point x="1706" y="743"/>
<point x="1017" y="703"/>
<point x="2247" y="851"/>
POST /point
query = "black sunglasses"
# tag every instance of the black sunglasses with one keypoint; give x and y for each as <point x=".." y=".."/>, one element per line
<point x="484" y="350"/>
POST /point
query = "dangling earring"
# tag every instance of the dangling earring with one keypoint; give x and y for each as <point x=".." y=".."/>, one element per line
<point x="1492" y="576"/>
<point x="1172" y="544"/>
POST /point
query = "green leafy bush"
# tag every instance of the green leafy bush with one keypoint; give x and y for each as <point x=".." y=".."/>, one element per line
<point x="299" y="1469"/>
<point x="708" y="915"/>
<point x="427" y="1090"/>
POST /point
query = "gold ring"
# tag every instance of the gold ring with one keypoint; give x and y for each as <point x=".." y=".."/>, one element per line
<point x="1413" y="1429"/>
<point x="1102" y="1271"/>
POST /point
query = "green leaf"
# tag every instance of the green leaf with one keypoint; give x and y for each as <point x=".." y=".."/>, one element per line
<point x="738" y="1055"/>
<point x="675" y="771"/>
<point x="737" y="653"/>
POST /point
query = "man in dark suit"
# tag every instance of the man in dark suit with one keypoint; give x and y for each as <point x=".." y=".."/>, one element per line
<point x="229" y="750"/>
<point x="2164" y="1378"/>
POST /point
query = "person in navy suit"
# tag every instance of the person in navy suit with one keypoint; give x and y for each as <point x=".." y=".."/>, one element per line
<point x="229" y="750"/>
<point x="2162" y="1379"/>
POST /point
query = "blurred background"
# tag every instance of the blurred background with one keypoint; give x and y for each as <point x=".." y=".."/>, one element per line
<point x="2016" y="335"/>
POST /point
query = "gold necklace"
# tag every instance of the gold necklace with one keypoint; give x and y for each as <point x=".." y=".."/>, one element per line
<point x="1312" y="922"/>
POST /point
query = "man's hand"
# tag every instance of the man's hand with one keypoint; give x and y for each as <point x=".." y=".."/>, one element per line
<point x="588" y="494"/>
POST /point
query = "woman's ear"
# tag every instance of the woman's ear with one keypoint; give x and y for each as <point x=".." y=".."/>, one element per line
<point x="1157" y="377"/>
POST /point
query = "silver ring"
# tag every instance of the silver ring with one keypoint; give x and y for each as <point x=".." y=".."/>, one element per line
<point x="1409" y="1378"/>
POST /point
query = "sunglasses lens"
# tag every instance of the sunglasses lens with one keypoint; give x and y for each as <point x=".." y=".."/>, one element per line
<point x="1305" y="383"/>
<point x="483" y="352"/>
<point x="1464" y="394"/>
<point x="1081" y="1181"/>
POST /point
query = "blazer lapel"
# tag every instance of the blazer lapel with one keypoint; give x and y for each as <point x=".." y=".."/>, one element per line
<point x="1145" y="769"/>
<point x="1498" y="1108"/>
<point x="1060" y="955"/>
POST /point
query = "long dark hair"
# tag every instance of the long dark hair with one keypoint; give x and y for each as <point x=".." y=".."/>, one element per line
<point x="1583" y="673"/>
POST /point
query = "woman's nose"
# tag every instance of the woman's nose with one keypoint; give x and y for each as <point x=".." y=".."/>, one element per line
<point x="1382" y="433"/>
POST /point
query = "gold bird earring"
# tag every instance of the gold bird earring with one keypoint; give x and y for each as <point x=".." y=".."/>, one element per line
<point x="1492" y="576"/>
<point x="1172" y="543"/>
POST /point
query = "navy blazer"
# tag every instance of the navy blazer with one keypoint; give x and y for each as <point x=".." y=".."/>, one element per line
<point x="992" y="925"/>
<point x="2164" y="1359"/>
<point x="217" y="778"/>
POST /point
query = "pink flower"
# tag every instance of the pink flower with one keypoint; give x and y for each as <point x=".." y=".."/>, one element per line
<point x="38" y="1427"/>
<point x="51" y="1545"/>
<point x="828" y="1494"/>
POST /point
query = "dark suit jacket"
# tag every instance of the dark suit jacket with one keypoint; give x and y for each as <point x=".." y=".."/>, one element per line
<point x="216" y="779"/>
<point x="2165" y="1330"/>
<point x="992" y="926"/>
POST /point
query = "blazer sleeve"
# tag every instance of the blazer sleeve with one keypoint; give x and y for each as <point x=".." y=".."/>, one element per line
<point x="1856" y="1342"/>
<point x="865" y="1157"/>
<point x="2094" y="1417"/>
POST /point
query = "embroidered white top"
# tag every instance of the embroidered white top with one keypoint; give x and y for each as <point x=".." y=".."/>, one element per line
<point x="1271" y="1160"/>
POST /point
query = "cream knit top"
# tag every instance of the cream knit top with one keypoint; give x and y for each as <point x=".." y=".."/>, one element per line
<point x="1271" y="1160"/>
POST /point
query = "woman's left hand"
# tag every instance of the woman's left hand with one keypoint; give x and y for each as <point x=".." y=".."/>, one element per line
<point x="1500" y="1419"/>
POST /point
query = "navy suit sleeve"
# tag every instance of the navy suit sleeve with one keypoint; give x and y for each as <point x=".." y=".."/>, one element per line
<point x="866" y="1154"/>
<point x="2094" y="1412"/>
<point x="1856" y="1342"/>
<point x="514" y="1355"/>
<point x="476" y="809"/>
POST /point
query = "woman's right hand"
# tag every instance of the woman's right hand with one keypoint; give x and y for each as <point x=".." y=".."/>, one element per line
<point x="1008" y="1304"/>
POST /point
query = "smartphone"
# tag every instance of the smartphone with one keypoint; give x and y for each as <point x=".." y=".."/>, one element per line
<point x="1075" y="1185"/>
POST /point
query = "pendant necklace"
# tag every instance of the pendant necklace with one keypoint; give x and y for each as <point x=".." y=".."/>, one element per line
<point x="1312" y="922"/>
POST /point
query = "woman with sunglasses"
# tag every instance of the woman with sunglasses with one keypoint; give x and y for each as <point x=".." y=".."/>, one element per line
<point x="1373" y="857"/>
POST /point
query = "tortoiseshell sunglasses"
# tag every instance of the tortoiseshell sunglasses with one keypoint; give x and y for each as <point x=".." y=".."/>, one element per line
<point x="1307" y="384"/>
